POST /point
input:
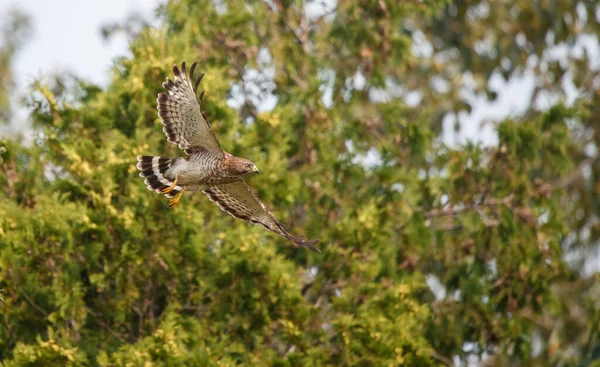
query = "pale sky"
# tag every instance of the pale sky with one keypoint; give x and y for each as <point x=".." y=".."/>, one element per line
<point x="66" y="37"/>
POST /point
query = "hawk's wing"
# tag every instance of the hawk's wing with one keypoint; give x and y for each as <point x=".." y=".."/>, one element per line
<point x="184" y="123"/>
<point x="238" y="200"/>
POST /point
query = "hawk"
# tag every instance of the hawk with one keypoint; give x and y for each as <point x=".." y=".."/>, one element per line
<point x="207" y="167"/>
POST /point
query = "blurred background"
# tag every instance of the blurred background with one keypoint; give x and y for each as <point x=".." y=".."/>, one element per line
<point x="445" y="152"/>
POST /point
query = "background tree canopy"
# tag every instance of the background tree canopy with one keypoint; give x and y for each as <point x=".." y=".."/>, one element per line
<point x="432" y="253"/>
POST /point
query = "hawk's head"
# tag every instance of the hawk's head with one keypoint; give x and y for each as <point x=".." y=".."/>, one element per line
<point x="240" y="166"/>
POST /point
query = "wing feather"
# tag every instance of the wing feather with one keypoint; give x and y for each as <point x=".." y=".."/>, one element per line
<point x="179" y="110"/>
<point x="240" y="201"/>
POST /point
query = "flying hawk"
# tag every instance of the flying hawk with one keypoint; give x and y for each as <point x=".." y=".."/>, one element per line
<point x="207" y="166"/>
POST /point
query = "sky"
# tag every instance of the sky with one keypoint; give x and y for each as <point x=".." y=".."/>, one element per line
<point x="66" y="37"/>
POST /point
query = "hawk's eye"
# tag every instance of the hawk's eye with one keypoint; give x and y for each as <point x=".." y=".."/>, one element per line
<point x="248" y="165"/>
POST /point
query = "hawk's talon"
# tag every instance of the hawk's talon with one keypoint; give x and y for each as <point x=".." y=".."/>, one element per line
<point x="174" y="201"/>
<point x="170" y="188"/>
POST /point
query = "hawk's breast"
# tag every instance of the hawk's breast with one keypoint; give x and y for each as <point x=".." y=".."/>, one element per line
<point x="202" y="168"/>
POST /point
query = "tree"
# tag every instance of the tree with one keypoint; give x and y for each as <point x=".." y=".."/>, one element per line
<point x="12" y="36"/>
<point x="98" y="272"/>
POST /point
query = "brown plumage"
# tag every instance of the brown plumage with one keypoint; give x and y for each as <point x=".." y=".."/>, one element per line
<point x="207" y="166"/>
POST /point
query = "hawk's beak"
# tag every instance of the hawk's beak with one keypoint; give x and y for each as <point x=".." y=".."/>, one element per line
<point x="255" y="170"/>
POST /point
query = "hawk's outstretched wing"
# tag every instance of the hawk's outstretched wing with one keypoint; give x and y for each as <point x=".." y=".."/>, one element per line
<point x="184" y="123"/>
<point x="238" y="200"/>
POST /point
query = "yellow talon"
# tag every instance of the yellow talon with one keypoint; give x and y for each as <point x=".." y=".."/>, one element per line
<point x="170" y="188"/>
<point x="174" y="201"/>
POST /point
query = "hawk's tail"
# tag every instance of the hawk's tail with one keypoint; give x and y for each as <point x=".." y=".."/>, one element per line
<point x="153" y="169"/>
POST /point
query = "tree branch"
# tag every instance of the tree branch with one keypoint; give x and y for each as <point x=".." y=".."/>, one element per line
<point x="33" y="304"/>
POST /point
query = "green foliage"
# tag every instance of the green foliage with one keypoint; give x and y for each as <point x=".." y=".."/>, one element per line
<point x="97" y="272"/>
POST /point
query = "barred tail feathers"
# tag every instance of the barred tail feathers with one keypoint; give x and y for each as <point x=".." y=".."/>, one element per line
<point x="153" y="170"/>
